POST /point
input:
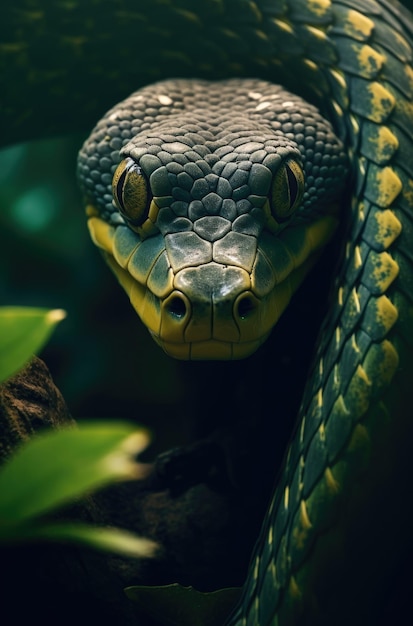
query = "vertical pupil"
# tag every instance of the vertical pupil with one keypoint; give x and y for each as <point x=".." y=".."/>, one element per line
<point x="119" y="188"/>
<point x="292" y="184"/>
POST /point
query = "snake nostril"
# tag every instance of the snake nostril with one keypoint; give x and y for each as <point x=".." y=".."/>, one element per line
<point x="245" y="307"/>
<point x="176" y="307"/>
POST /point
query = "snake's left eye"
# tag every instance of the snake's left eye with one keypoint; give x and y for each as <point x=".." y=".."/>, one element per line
<point x="130" y="192"/>
<point x="287" y="189"/>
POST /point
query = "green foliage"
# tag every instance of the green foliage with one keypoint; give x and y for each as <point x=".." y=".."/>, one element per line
<point x="58" y="467"/>
<point x="64" y="465"/>
<point x="113" y="540"/>
<point x="175" y="605"/>
<point x="23" y="332"/>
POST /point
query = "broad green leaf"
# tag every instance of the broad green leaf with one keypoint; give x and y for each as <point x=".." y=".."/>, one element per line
<point x="174" y="605"/>
<point x="57" y="467"/>
<point x="23" y="332"/>
<point x="107" y="539"/>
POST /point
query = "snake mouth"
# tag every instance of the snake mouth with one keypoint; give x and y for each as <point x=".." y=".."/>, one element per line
<point x="211" y="311"/>
<point x="226" y="335"/>
<point x="229" y="327"/>
<point x="209" y="350"/>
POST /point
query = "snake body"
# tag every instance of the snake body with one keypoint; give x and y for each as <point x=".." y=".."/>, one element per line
<point x="209" y="238"/>
<point x="352" y="59"/>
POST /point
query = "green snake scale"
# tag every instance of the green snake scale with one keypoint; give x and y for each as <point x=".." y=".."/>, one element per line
<point x="353" y="60"/>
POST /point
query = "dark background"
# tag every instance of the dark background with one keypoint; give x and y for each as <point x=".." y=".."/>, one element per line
<point x="101" y="357"/>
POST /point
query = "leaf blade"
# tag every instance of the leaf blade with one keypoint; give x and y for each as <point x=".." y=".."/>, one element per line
<point x="56" y="467"/>
<point x="115" y="540"/>
<point x="23" y="332"/>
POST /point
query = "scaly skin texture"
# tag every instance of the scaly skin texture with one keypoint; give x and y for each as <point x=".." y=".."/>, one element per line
<point x="220" y="245"/>
<point x="353" y="59"/>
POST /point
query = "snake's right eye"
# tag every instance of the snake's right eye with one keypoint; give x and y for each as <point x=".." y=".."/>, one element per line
<point x="130" y="191"/>
<point x="287" y="189"/>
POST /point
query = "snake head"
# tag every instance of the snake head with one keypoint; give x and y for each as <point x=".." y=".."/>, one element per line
<point x="214" y="218"/>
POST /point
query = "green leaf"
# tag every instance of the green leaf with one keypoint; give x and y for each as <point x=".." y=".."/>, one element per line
<point x="174" y="605"/>
<point x="57" y="467"/>
<point x="107" y="539"/>
<point x="23" y="332"/>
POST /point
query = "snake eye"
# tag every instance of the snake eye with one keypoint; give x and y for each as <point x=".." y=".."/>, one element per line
<point x="130" y="192"/>
<point x="287" y="189"/>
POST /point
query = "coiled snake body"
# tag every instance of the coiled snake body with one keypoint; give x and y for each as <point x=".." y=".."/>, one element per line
<point x="225" y="194"/>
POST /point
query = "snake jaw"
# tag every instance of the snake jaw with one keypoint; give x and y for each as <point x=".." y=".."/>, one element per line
<point x="212" y="310"/>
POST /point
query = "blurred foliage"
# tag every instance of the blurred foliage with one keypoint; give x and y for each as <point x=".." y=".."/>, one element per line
<point x="58" y="467"/>
<point x="23" y="332"/>
<point x="102" y="358"/>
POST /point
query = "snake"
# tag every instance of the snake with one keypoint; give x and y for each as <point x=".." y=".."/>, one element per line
<point x="212" y="198"/>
